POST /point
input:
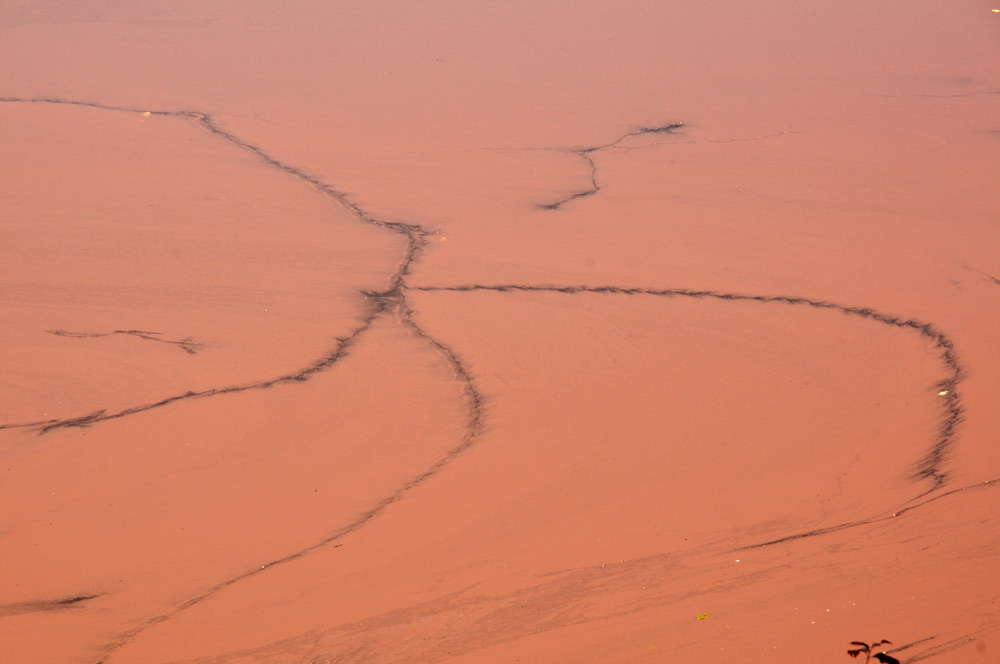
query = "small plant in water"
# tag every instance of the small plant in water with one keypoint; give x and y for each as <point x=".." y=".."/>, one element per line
<point x="859" y="647"/>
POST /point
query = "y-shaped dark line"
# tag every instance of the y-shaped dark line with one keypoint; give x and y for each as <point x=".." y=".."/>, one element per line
<point x="187" y="345"/>
<point x="585" y="154"/>
<point x="929" y="467"/>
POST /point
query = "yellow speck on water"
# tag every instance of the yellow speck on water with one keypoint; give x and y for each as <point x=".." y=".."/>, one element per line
<point x="703" y="616"/>
<point x="146" y="114"/>
<point x="995" y="11"/>
<point x="943" y="393"/>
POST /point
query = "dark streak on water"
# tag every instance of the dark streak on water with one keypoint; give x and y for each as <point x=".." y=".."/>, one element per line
<point x="44" y="605"/>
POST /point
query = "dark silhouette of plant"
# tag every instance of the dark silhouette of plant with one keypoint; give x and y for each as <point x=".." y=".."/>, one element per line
<point x="862" y="647"/>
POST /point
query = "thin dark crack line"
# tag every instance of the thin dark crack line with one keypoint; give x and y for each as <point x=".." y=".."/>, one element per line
<point x="585" y="154"/>
<point x="188" y="345"/>
<point x="929" y="467"/>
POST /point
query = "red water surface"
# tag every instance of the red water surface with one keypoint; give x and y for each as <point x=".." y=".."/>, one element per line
<point x="444" y="332"/>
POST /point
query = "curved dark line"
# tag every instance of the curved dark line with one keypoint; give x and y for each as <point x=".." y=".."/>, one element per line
<point x="929" y="467"/>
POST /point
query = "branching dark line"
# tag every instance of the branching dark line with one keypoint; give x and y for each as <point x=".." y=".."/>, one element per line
<point x="585" y="154"/>
<point x="929" y="467"/>
<point x="187" y="345"/>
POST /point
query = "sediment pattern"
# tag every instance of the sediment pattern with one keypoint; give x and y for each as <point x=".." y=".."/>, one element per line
<point x="392" y="300"/>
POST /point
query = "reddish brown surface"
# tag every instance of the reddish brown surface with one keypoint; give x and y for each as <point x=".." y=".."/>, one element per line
<point x="267" y="394"/>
